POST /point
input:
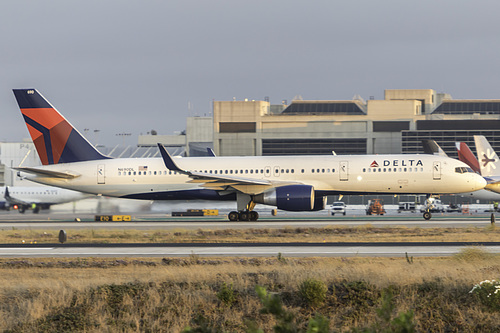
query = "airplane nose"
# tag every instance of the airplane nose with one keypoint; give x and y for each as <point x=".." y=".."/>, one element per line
<point x="480" y="182"/>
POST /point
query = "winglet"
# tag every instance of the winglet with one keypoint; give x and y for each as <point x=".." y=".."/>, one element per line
<point x="167" y="159"/>
<point x="211" y="152"/>
<point x="431" y="147"/>
<point x="7" y="194"/>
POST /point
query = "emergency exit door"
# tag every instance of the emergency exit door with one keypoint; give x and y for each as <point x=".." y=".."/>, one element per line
<point x="101" y="177"/>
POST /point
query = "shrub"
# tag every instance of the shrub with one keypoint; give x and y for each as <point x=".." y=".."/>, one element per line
<point x="226" y="294"/>
<point x="473" y="253"/>
<point x="313" y="292"/>
<point x="488" y="292"/>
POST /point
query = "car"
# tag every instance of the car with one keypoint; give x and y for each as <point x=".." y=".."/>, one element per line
<point x="338" y="207"/>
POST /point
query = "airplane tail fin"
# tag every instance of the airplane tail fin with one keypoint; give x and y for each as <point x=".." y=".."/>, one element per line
<point x="488" y="158"/>
<point x="55" y="139"/>
<point x="431" y="147"/>
<point x="467" y="156"/>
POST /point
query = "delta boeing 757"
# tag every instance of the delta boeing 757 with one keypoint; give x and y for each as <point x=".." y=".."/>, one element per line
<point x="292" y="183"/>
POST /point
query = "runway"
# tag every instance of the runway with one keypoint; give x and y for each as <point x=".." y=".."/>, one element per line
<point x="427" y="249"/>
<point x="161" y="221"/>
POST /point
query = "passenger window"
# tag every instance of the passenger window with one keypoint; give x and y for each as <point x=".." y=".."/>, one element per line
<point x="302" y="171"/>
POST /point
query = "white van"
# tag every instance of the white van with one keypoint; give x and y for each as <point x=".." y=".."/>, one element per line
<point x="338" y="207"/>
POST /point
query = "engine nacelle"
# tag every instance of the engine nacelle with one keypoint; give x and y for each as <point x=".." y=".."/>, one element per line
<point x="319" y="203"/>
<point x="294" y="198"/>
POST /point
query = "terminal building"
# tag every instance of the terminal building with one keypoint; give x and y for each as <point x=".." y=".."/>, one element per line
<point x="396" y="124"/>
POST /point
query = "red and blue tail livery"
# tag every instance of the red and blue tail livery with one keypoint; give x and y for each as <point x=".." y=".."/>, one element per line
<point x="55" y="139"/>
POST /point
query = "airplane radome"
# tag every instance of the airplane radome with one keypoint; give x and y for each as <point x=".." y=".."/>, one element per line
<point x="293" y="183"/>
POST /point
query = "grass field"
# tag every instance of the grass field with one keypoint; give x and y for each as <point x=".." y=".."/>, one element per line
<point x="167" y="295"/>
<point x="366" y="233"/>
<point x="219" y="295"/>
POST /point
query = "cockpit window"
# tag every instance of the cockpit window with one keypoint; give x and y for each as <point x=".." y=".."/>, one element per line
<point x="463" y="170"/>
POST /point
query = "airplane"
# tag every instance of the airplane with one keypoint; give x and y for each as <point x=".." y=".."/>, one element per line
<point x="489" y="163"/>
<point x="467" y="156"/>
<point x="292" y="183"/>
<point x="36" y="198"/>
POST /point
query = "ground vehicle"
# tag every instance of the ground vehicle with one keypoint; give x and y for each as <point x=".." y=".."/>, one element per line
<point x="433" y="206"/>
<point x="454" y="208"/>
<point x="338" y="207"/>
<point x="407" y="206"/>
<point x="375" y="207"/>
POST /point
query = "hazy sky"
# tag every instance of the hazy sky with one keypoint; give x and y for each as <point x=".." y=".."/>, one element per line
<point x="131" y="66"/>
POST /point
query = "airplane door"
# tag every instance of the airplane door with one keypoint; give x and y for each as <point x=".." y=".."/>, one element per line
<point x="436" y="170"/>
<point x="267" y="171"/>
<point x="344" y="170"/>
<point x="276" y="171"/>
<point x="100" y="174"/>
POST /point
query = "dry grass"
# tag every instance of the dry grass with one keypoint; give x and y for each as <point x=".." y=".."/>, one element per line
<point x="167" y="295"/>
<point x="302" y="234"/>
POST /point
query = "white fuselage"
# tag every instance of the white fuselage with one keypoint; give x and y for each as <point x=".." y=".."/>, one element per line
<point x="130" y="177"/>
<point x="40" y="195"/>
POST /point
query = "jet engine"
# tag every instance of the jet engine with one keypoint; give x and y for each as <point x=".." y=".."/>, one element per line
<point x="294" y="198"/>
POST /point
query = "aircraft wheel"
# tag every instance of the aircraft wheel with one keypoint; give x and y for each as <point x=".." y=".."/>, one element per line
<point x="254" y="216"/>
<point x="22" y="209"/>
<point x="233" y="216"/>
<point x="427" y="216"/>
<point x="244" y="216"/>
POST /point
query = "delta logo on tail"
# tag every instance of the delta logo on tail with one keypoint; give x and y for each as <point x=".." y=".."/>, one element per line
<point x="55" y="139"/>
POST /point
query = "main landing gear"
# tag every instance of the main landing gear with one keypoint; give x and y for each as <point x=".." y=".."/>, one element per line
<point x="245" y="206"/>
<point x="245" y="215"/>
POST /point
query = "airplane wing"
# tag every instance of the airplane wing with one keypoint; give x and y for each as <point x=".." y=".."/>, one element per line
<point x="47" y="173"/>
<point x="222" y="182"/>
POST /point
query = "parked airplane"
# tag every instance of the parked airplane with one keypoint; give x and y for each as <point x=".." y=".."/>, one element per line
<point x="293" y="183"/>
<point x="36" y="197"/>
<point x="489" y="163"/>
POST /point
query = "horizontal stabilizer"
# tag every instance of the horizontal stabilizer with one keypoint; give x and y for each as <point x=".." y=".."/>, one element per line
<point x="47" y="173"/>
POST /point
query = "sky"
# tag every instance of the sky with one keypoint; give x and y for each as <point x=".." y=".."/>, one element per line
<point x="130" y="66"/>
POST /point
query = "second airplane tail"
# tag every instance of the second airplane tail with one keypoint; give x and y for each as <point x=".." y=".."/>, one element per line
<point x="55" y="139"/>
<point x="488" y="158"/>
